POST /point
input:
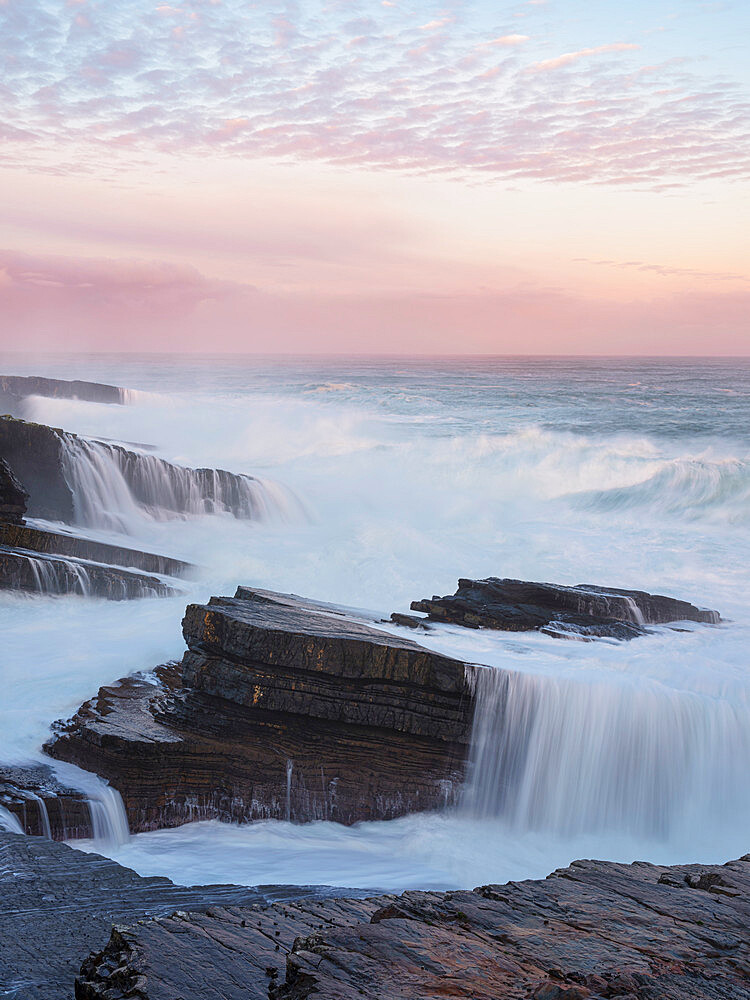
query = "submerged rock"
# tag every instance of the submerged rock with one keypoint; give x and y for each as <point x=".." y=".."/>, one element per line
<point x="593" y="931"/>
<point x="13" y="497"/>
<point x="281" y="708"/>
<point x="583" y="611"/>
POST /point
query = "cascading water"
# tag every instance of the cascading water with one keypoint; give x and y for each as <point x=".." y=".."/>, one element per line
<point x="9" y="821"/>
<point x="569" y="756"/>
<point x="115" y="489"/>
<point x="108" y="819"/>
<point x="59" y="576"/>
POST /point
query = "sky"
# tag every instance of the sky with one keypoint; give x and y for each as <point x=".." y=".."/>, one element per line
<point x="375" y="176"/>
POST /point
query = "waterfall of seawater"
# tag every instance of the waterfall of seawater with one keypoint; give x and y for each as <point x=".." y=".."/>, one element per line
<point x="576" y="756"/>
<point x="115" y="489"/>
<point x="9" y="821"/>
<point x="108" y="819"/>
<point x="55" y="576"/>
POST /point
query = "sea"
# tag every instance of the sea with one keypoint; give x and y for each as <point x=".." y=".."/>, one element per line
<point x="384" y="481"/>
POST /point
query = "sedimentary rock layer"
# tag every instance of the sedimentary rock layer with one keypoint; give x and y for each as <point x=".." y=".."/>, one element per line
<point x="34" y="452"/>
<point x="43" y="574"/>
<point x="57" y="904"/>
<point x="36" y="385"/>
<point x="13" y="497"/>
<point x="14" y="390"/>
<point x="280" y="708"/>
<point x="63" y="473"/>
<point x="586" y="610"/>
<point x="43" y="806"/>
<point x="58" y="543"/>
<point x="593" y="931"/>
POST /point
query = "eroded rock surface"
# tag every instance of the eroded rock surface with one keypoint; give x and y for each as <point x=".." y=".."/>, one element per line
<point x="43" y="574"/>
<point x="585" y="611"/>
<point x="280" y="708"/>
<point x="43" y="806"/>
<point x="19" y="386"/>
<point x="593" y="931"/>
<point x="13" y="497"/>
<point x="49" y="461"/>
<point x="57" y="905"/>
<point x="66" y="544"/>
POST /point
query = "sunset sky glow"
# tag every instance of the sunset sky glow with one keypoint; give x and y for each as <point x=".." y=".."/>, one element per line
<point x="547" y="176"/>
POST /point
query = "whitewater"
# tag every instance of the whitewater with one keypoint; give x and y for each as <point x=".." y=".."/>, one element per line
<point x="377" y="482"/>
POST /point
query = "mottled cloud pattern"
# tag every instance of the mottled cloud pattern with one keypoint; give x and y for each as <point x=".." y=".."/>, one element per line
<point x="416" y="87"/>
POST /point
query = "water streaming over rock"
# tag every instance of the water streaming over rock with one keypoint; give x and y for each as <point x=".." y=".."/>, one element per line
<point x="108" y="819"/>
<point x="9" y="822"/>
<point x="59" y="576"/>
<point x="114" y="488"/>
<point x="567" y="756"/>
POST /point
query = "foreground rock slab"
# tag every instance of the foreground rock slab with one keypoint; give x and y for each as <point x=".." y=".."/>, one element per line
<point x="281" y="708"/>
<point x="583" y="611"/>
<point x="593" y="931"/>
<point x="57" y="904"/>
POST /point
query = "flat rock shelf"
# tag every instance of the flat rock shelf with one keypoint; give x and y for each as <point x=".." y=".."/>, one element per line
<point x="58" y="904"/>
<point x="592" y="931"/>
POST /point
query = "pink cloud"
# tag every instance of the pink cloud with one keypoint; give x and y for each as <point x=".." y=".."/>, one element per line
<point x="109" y="304"/>
<point x="571" y="57"/>
<point x="353" y="90"/>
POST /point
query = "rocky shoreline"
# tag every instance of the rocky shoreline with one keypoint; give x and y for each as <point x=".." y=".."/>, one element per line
<point x="591" y="931"/>
<point x="283" y="707"/>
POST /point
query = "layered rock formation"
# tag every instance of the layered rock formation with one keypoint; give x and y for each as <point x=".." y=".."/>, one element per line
<point x="57" y="905"/>
<point x="280" y="708"/>
<point x="68" y="545"/>
<point x="46" y="574"/>
<point x="13" y="497"/>
<point x="583" y="611"/>
<point x="15" y="388"/>
<point x="62" y="472"/>
<point x="593" y="931"/>
<point x="43" y="806"/>
<point x="34" y="452"/>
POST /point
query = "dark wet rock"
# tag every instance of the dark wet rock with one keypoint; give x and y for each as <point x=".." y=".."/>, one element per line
<point x="46" y="458"/>
<point x="40" y="573"/>
<point x="593" y="931"/>
<point x="57" y="905"/>
<point x="280" y="708"/>
<point x="43" y="805"/>
<point x="15" y="388"/>
<point x="34" y="452"/>
<point x="13" y="497"/>
<point x="583" y="611"/>
<point x="69" y="545"/>
<point x="409" y="621"/>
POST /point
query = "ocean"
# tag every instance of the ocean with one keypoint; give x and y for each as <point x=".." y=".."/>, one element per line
<point x="382" y="481"/>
